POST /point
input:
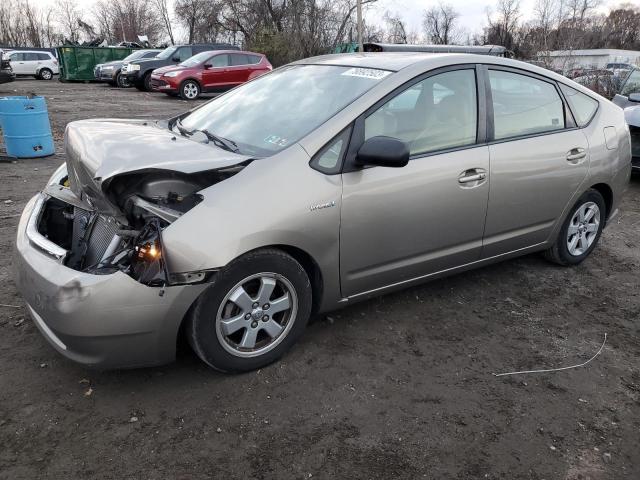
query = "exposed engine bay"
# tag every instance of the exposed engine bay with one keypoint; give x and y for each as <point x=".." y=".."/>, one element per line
<point x="101" y="243"/>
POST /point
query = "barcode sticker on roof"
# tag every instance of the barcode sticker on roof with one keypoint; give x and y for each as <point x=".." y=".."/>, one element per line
<point x="372" y="73"/>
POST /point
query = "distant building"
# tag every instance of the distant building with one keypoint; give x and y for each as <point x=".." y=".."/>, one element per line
<point x="594" y="58"/>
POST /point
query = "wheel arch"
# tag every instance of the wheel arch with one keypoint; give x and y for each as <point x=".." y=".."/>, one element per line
<point x="607" y="193"/>
<point x="309" y="264"/>
<point x="193" y="79"/>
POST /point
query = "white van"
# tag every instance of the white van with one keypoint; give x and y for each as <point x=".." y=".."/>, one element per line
<point x="42" y="65"/>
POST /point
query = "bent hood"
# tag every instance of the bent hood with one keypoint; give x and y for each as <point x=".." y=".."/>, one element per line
<point x="99" y="150"/>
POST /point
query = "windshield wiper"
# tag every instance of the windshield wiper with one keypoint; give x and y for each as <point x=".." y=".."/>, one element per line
<point x="183" y="131"/>
<point x="222" y="142"/>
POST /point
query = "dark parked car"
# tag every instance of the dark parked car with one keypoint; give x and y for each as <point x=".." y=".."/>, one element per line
<point x="138" y="72"/>
<point x="209" y="72"/>
<point x="6" y="74"/>
<point x="110" y="72"/>
<point x="629" y="99"/>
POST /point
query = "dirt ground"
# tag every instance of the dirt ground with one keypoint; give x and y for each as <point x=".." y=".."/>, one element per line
<point x="397" y="387"/>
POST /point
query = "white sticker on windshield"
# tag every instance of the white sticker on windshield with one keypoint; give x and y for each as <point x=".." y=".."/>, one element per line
<point x="276" y="140"/>
<point x="372" y="73"/>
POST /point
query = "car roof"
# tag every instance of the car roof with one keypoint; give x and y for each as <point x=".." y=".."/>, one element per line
<point x="396" y="61"/>
<point x="28" y="51"/>
<point x="216" y="52"/>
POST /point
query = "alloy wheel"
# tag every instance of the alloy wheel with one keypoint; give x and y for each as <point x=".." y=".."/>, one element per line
<point x="256" y="314"/>
<point x="190" y="90"/>
<point x="46" y="74"/>
<point x="583" y="228"/>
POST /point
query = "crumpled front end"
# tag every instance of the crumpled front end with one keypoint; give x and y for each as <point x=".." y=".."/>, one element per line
<point x="104" y="320"/>
<point x="90" y="258"/>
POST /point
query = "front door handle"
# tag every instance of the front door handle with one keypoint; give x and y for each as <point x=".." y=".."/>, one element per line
<point x="576" y="154"/>
<point x="472" y="175"/>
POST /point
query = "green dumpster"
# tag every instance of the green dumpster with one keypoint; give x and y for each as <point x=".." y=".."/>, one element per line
<point x="77" y="63"/>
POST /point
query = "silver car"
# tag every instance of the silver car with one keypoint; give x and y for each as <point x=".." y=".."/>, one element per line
<point x="323" y="183"/>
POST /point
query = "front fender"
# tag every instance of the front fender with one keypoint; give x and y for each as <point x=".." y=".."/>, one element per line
<point x="267" y="203"/>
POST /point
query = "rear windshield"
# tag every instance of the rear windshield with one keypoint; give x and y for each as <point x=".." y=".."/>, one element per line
<point x="268" y="114"/>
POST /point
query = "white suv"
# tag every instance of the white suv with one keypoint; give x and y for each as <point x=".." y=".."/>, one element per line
<point x="42" y="65"/>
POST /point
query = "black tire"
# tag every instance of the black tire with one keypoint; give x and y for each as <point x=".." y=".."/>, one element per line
<point x="201" y="330"/>
<point x="559" y="252"/>
<point x="144" y="85"/>
<point x="122" y="81"/>
<point x="147" y="82"/>
<point x="187" y="88"/>
<point x="45" y="74"/>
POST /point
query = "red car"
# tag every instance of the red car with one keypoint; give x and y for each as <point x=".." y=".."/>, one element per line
<point x="212" y="71"/>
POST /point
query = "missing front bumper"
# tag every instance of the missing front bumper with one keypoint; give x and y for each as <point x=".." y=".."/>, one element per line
<point x="106" y="321"/>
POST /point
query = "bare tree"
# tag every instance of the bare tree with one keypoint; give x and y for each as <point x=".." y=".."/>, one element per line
<point x="396" y="29"/>
<point x="68" y="16"/>
<point x="163" y="12"/>
<point x="503" y="25"/>
<point x="440" y="24"/>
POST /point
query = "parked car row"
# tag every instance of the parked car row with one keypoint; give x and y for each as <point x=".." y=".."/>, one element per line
<point x="185" y="70"/>
<point x="39" y="64"/>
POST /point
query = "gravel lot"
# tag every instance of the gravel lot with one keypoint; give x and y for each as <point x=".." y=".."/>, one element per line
<point x="397" y="387"/>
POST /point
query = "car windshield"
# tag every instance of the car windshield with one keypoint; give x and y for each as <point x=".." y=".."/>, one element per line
<point x="632" y="84"/>
<point x="167" y="53"/>
<point x="196" y="59"/>
<point x="134" y="55"/>
<point x="278" y="109"/>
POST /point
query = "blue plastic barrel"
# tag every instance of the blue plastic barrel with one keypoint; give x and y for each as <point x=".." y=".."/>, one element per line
<point x="25" y="127"/>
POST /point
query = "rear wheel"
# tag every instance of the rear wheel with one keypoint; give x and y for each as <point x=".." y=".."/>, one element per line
<point x="581" y="230"/>
<point x="45" y="74"/>
<point x="147" y="82"/>
<point x="254" y="311"/>
<point x="190" y="90"/>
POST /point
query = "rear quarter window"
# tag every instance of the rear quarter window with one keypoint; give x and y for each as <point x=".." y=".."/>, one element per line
<point x="254" y="58"/>
<point x="583" y="106"/>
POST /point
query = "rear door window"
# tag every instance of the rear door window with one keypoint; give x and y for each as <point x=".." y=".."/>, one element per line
<point x="31" y="57"/>
<point x="524" y="105"/>
<point x="238" y="59"/>
<point x="253" y="59"/>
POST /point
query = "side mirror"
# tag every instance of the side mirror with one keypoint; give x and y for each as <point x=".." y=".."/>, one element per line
<point x="634" y="97"/>
<point x="175" y="59"/>
<point x="383" y="152"/>
<point x="207" y="66"/>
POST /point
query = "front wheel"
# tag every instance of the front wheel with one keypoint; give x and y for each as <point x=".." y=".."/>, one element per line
<point x="581" y="230"/>
<point x="122" y="81"/>
<point x="189" y="90"/>
<point x="253" y="312"/>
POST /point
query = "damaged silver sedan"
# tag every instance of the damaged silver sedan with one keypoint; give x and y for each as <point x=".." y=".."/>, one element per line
<point x="325" y="182"/>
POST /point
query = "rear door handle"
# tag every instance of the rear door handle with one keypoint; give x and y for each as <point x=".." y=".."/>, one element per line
<point x="576" y="154"/>
<point x="472" y="175"/>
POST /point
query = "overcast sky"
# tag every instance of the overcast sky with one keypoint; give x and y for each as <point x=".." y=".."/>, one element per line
<point x="472" y="13"/>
